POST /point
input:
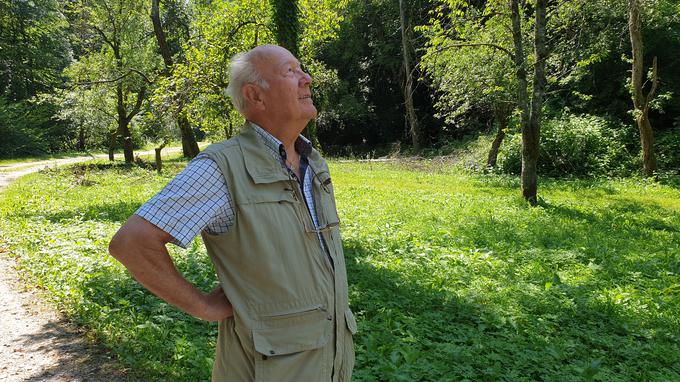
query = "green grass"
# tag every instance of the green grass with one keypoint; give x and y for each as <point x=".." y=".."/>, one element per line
<point x="452" y="276"/>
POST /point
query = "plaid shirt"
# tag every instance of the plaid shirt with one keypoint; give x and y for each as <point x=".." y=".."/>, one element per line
<point x="198" y="198"/>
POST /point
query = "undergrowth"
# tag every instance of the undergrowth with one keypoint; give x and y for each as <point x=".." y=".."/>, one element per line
<point x="452" y="276"/>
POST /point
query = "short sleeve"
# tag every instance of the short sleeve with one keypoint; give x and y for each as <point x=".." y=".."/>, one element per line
<point x="196" y="199"/>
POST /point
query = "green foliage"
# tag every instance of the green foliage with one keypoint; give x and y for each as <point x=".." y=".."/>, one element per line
<point x="366" y="109"/>
<point x="286" y="24"/>
<point x="220" y="29"/>
<point x="27" y="128"/>
<point x="33" y="47"/>
<point x="577" y="145"/>
<point x="452" y="276"/>
<point x="468" y="59"/>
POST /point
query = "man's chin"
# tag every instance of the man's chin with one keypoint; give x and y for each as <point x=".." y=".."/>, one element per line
<point x="311" y="114"/>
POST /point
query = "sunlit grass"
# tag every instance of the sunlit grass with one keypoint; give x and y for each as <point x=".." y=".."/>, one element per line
<point x="452" y="276"/>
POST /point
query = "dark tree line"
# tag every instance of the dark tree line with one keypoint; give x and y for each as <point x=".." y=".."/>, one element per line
<point x="578" y="87"/>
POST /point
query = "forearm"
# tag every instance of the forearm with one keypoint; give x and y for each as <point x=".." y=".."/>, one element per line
<point x="140" y="247"/>
<point x="154" y="269"/>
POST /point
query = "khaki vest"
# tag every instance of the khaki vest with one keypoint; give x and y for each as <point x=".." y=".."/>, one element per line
<point x="292" y="321"/>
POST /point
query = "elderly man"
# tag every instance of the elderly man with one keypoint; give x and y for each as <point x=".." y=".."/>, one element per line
<point x="263" y="202"/>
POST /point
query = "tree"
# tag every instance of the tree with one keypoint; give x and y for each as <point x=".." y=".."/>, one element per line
<point x="469" y="59"/>
<point x="407" y="50"/>
<point x="120" y="62"/>
<point x="367" y="105"/>
<point x="530" y="111"/>
<point x="642" y="101"/>
<point x="286" y="24"/>
<point x="34" y="49"/>
<point x="217" y="30"/>
<point x="484" y="28"/>
<point x="189" y="145"/>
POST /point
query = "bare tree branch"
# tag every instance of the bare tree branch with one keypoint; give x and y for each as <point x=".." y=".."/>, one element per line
<point x="473" y="44"/>
<point x="130" y="71"/>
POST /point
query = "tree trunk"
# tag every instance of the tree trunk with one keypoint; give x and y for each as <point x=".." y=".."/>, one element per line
<point x="640" y="100"/>
<point x="286" y="24"/>
<point x="112" y="144"/>
<point x="123" y="124"/>
<point x="159" y="161"/>
<point x="81" y="139"/>
<point x="189" y="144"/>
<point x="531" y="135"/>
<point x="501" y="114"/>
<point x="228" y="129"/>
<point x="528" y="176"/>
<point x="414" y="129"/>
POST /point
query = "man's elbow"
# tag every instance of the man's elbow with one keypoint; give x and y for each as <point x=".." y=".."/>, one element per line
<point x="117" y="246"/>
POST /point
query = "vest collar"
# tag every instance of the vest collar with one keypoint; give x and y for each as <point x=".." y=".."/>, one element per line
<point x="262" y="166"/>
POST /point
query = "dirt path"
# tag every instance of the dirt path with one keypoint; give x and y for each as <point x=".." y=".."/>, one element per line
<point x="36" y="343"/>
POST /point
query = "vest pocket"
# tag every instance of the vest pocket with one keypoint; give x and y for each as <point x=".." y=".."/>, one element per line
<point x="325" y="201"/>
<point x="291" y="347"/>
<point x="351" y="321"/>
<point x="348" y="355"/>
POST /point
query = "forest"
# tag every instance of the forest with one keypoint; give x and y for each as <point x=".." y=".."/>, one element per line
<point x="507" y="176"/>
<point x="588" y="94"/>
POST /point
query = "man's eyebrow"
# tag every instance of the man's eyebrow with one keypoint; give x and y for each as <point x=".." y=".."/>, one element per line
<point x="288" y="62"/>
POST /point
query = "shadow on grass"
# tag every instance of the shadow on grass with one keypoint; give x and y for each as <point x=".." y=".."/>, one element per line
<point x="111" y="212"/>
<point x="74" y="358"/>
<point x="411" y="330"/>
<point x="157" y="341"/>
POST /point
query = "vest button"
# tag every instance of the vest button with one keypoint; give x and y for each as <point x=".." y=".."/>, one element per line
<point x="329" y="318"/>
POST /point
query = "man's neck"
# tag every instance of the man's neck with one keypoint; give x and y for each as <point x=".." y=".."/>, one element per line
<point x="287" y="134"/>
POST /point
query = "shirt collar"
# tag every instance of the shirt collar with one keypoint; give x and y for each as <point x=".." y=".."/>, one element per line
<point x="302" y="145"/>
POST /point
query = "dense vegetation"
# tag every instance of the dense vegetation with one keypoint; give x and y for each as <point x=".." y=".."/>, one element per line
<point x="84" y="74"/>
<point x="452" y="275"/>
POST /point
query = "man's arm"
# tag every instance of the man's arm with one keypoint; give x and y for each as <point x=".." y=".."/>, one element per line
<point x="140" y="247"/>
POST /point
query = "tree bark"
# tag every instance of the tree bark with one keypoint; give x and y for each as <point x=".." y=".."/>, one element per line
<point x="414" y="129"/>
<point x="123" y="124"/>
<point x="81" y="139"/>
<point x="159" y="159"/>
<point x="640" y="100"/>
<point x="112" y="144"/>
<point x="501" y="114"/>
<point x="531" y="135"/>
<point x="530" y="112"/>
<point x="528" y="175"/>
<point x="189" y="145"/>
<point x="287" y="24"/>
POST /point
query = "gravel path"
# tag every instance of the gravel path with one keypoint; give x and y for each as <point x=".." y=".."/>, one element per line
<point x="37" y="343"/>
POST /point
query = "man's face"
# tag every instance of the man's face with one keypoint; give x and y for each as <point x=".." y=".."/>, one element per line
<point x="288" y="98"/>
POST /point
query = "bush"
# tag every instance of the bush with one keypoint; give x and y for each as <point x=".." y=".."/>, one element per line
<point x="584" y="145"/>
<point x="667" y="144"/>
<point x="28" y="128"/>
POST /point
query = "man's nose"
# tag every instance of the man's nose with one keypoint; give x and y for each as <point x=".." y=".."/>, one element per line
<point x="305" y="79"/>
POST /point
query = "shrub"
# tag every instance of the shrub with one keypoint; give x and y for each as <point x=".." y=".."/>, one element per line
<point x="667" y="144"/>
<point x="584" y="145"/>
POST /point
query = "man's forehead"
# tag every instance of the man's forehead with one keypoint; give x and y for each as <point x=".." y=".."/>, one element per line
<point x="273" y="53"/>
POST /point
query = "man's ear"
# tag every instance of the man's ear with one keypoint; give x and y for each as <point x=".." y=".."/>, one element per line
<point x="253" y="96"/>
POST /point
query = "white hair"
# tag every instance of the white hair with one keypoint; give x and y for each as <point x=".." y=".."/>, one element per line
<point x="242" y="71"/>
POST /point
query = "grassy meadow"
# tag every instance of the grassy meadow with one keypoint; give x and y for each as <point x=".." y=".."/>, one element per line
<point x="452" y="276"/>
